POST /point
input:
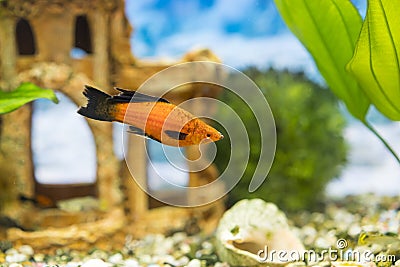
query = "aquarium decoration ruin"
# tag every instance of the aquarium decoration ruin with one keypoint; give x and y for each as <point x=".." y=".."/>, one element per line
<point x="63" y="45"/>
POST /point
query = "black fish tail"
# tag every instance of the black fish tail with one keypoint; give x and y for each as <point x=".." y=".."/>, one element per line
<point x="99" y="106"/>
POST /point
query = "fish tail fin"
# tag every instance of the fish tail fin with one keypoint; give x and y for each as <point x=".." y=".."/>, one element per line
<point x="98" y="107"/>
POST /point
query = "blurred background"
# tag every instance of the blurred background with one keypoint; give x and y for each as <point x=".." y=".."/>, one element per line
<point x="342" y="157"/>
<point x="330" y="174"/>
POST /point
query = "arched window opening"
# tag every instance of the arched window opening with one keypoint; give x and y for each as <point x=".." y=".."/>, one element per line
<point x="83" y="38"/>
<point x="25" y="38"/>
<point x="63" y="150"/>
<point x="163" y="172"/>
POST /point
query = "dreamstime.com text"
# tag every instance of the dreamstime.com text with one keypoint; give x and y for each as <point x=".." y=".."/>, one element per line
<point x="339" y="253"/>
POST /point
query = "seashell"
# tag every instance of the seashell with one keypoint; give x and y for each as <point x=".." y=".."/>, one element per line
<point x="251" y="230"/>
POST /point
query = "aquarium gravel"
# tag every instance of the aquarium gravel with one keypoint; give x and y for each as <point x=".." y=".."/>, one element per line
<point x="342" y="219"/>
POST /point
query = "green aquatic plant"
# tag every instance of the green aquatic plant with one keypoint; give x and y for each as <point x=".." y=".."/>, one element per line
<point x="10" y="101"/>
<point x="359" y="60"/>
<point x="310" y="147"/>
<point x="24" y="93"/>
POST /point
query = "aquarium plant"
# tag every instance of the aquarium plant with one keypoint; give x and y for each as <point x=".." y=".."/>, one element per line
<point x="10" y="101"/>
<point x="310" y="147"/>
<point x="23" y="94"/>
<point x="359" y="60"/>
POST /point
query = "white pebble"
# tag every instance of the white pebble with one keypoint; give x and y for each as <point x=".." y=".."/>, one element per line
<point x="11" y="251"/>
<point x="131" y="263"/>
<point x="184" y="248"/>
<point x="145" y="259"/>
<point x="194" y="263"/>
<point x="39" y="257"/>
<point x="354" y="230"/>
<point x="322" y="243"/>
<point x="26" y="249"/>
<point x="182" y="261"/>
<point x="17" y="257"/>
<point x="95" y="263"/>
<point x="116" y="258"/>
<point x="15" y="265"/>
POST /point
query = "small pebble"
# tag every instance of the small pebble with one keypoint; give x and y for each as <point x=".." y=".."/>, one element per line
<point x="17" y="257"/>
<point x="354" y="230"/>
<point x="99" y="254"/>
<point x="95" y="263"/>
<point x="131" y="263"/>
<point x="116" y="258"/>
<point x="15" y="265"/>
<point x="194" y="263"/>
<point x="185" y="248"/>
<point x="11" y="251"/>
<point x="39" y="257"/>
<point x="145" y="259"/>
<point x="321" y="242"/>
<point x="26" y="249"/>
<point x="182" y="261"/>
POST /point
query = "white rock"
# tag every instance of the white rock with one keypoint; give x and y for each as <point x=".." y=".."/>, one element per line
<point x="145" y="259"/>
<point x="26" y="249"/>
<point x="131" y="263"/>
<point x="184" y="248"/>
<point x="95" y="263"/>
<point x="17" y="257"/>
<point x="354" y="230"/>
<point x="39" y="257"/>
<point x="194" y="263"/>
<point x="11" y="251"/>
<point x="116" y="258"/>
<point x="179" y="237"/>
<point x="181" y="261"/>
<point x="322" y="242"/>
<point x="15" y="265"/>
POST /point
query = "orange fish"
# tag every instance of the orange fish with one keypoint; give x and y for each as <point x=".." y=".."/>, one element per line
<point x="149" y="116"/>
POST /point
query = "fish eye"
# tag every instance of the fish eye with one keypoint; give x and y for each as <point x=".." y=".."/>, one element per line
<point x="208" y="135"/>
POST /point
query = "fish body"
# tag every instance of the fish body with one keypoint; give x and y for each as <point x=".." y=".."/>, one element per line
<point x="149" y="116"/>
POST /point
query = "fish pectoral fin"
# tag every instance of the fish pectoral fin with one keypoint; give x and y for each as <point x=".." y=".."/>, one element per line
<point x="127" y="96"/>
<point x="136" y="130"/>
<point x="176" y="135"/>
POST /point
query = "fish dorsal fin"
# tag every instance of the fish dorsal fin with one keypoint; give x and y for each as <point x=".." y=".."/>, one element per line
<point x="126" y="96"/>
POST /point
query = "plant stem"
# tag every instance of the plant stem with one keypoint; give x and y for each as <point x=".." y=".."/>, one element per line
<point x="374" y="131"/>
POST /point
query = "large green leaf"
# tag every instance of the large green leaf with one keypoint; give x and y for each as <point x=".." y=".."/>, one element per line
<point x="329" y="30"/>
<point x="376" y="59"/>
<point x="25" y="93"/>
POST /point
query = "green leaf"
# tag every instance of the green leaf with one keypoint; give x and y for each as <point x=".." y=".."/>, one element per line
<point x="25" y="93"/>
<point x="375" y="63"/>
<point x="329" y="30"/>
